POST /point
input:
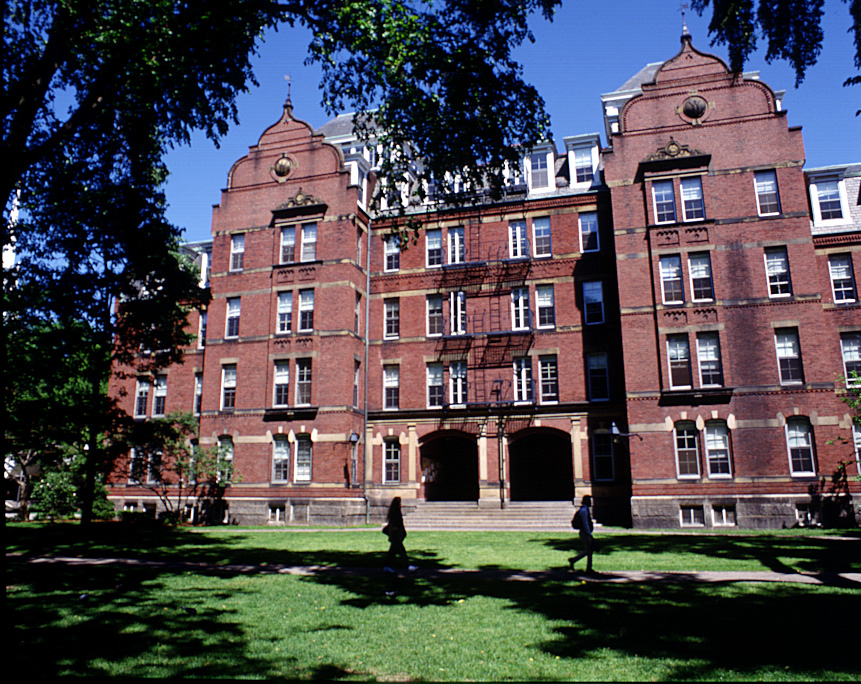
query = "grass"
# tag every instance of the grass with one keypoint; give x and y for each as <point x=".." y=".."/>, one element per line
<point x="143" y="622"/>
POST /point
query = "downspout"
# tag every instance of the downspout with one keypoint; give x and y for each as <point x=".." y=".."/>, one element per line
<point x="367" y="329"/>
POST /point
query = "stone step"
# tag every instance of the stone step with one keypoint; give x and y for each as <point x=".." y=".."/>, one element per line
<point x="527" y="515"/>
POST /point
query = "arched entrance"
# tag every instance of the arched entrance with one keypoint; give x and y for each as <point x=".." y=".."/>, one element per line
<point x="540" y="467"/>
<point x="450" y="468"/>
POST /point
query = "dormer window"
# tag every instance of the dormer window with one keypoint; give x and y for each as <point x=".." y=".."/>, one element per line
<point x="583" y="158"/>
<point x="539" y="175"/>
<point x="828" y="201"/>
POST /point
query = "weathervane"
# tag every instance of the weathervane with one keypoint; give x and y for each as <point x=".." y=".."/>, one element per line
<point x="683" y="6"/>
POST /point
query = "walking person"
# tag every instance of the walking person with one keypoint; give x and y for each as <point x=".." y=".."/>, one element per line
<point x="396" y="532"/>
<point x="582" y="522"/>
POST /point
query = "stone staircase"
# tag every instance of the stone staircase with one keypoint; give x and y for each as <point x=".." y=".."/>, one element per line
<point x="549" y="516"/>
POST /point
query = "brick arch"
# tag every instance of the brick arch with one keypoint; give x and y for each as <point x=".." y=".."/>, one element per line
<point x="449" y="463"/>
<point x="540" y="465"/>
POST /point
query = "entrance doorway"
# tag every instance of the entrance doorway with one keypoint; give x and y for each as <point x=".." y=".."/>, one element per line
<point x="540" y="467"/>
<point x="450" y="468"/>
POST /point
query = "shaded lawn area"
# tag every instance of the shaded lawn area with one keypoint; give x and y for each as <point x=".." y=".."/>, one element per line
<point x="126" y="621"/>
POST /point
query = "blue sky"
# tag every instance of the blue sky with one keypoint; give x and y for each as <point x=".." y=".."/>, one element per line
<point x="591" y="47"/>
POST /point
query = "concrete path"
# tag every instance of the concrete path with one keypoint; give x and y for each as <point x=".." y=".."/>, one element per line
<point x="846" y="579"/>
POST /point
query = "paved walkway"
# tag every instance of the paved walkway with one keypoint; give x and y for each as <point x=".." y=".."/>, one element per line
<point x="845" y="579"/>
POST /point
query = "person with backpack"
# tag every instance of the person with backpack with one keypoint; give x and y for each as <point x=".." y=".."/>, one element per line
<point x="582" y="522"/>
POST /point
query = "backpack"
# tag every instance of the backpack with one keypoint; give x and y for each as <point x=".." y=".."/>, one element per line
<point x="577" y="521"/>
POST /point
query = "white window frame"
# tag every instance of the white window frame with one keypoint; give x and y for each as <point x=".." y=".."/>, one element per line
<point x="793" y="433"/>
<point x="457" y="313"/>
<point x="304" y="378"/>
<point x="391" y="461"/>
<point x="693" y="201"/>
<point x="583" y="159"/>
<point x="201" y="330"/>
<point x="288" y="244"/>
<point x="309" y="242"/>
<point x="545" y="306"/>
<point x="456" y="245"/>
<point x="690" y="433"/>
<point x="692" y="520"/>
<point x="540" y="171"/>
<point x="228" y="383"/>
<point x="850" y="351"/>
<point x="720" y="517"/>
<point x="435" y="384"/>
<point x="767" y="193"/>
<point x="391" y="387"/>
<point x="667" y="267"/>
<point x="588" y="226"/>
<point x="435" y="315"/>
<point x="676" y="344"/>
<point x="712" y="432"/>
<point x="845" y="275"/>
<point x="280" y="458"/>
<point x="520" y="308"/>
<point x="518" y="241"/>
<point x="285" y="312"/>
<point x="661" y="187"/>
<point x="433" y="248"/>
<point x="237" y="251"/>
<point x="708" y="353"/>
<point x="698" y="264"/>
<point x="198" y="393"/>
<point x="303" y="462"/>
<point x="281" y="380"/>
<point x="787" y="345"/>
<point x="234" y="311"/>
<point x="392" y="254"/>
<point x="593" y="301"/>
<point x="457" y="382"/>
<point x="522" y="385"/>
<point x="141" y="393"/>
<point x="777" y="272"/>
<point x="816" y="188"/>
<point x="548" y="373"/>
<point x="391" y="318"/>
<point x="542" y="239"/>
<point x="159" y="400"/>
<point x="306" y="310"/>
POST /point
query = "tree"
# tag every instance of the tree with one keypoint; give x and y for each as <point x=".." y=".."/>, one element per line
<point x="793" y="29"/>
<point x="169" y="462"/>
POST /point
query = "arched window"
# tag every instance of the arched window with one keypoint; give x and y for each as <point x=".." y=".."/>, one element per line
<point x="687" y="449"/>
<point x="280" y="459"/>
<point x="799" y="442"/>
<point x="716" y="436"/>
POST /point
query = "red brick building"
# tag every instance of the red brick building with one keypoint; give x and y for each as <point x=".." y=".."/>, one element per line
<point x="677" y="290"/>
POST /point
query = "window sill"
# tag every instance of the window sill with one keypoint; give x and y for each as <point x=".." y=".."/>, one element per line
<point x="278" y="413"/>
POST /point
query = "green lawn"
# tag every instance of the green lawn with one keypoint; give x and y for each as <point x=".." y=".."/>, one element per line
<point x="178" y="623"/>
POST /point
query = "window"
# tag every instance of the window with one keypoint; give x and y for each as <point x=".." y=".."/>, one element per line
<point x="541" y="237"/>
<point x="589" y="232"/>
<point x="717" y="448"/>
<point x="160" y="396"/>
<point x="538" y="166"/>
<point x="393" y="253"/>
<point x="593" y="302"/>
<point x="602" y="456"/>
<point x="842" y="282"/>
<point x="357" y="367"/>
<point x="691" y="516"/>
<point x="233" y="310"/>
<point x="225" y="448"/>
<point x="303" y="382"/>
<point x="672" y="291"/>
<point x="856" y="438"/>
<point x="827" y="197"/>
<point x="436" y="387"/>
<point x="434" y="307"/>
<point x="237" y="252"/>
<point x="723" y="516"/>
<point x="201" y="330"/>
<point x="520" y="308"/>
<point x="288" y="245"/>
<point x="549" y="373"/>
<point x="306" y="310"/>
<point x="708" y="359"/>
<point x="357" y="315"/>
<point x="664" y="201"/>
<point x="767" y="198"/>
<point x="687" y="453"/>
<point x="280" y="459"/>
<point x="679" y="355"/>
<point x="392" y="314"/>
<point x="518" y="246"/>
<point x="457" y="304"/>
<point x="523" y="379"/>
<point x="434" y="247"/>
<point x="788" y="356"/>
<point x="800" y="444"/>
<point x="777" y="271"/>
<point x="285" y="312"/>
<point x="457" y="382"/>
<point x="456" y="246"/>
<point x="309" y="241"/>
<point x="583" y="172"/>
<point x="198" y="393"/>
<point x="598" y="376"/>
<point x="545" y="306"/>
<point x="141" y="398"/>
<point x="281" y="383"/>
<point x="391" y="387"/>
<point x="228" y="387"/>
<point x="392" y="462"/>
<point x="700" y="269"/>
<point x="144" y="467"/>
<point x="850" y="346"/>
<point x="304" y="453"/>
<point x="692" y="199"/>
